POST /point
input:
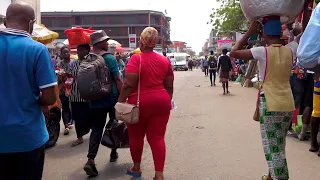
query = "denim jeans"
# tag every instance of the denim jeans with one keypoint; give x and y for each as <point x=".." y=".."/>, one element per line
<point x="214" y="74"/>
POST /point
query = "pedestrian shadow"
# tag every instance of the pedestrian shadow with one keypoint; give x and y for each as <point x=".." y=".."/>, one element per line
<point x="111" y="171"/>
<point x="65" y="150"/>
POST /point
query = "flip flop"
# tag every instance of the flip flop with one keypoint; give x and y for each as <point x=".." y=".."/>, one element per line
<point x="264" y="177"/>
<point x="134" y="173"/>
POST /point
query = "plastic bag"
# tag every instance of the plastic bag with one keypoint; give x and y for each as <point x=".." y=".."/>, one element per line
<point x="287" y="9"/>
<point x="309" y="47"/>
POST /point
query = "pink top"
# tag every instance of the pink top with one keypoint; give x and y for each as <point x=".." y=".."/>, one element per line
<point x="154" y="69"/>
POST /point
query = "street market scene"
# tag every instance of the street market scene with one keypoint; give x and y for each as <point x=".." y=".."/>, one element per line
<point x="162" y="90"/>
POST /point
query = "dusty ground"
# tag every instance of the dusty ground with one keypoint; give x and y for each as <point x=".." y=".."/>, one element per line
<point x="209" y="137"/>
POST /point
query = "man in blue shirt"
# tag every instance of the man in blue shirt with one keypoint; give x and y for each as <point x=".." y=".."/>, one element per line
<point x="100" y="108"/>
<point x="28" y="82"/>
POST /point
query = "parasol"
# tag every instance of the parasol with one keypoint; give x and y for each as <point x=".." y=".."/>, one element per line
<point x="119" y="49"/>
<point x="137" y="51"/>
<point x="111" y="41"/>
<point x="43" y="35"/>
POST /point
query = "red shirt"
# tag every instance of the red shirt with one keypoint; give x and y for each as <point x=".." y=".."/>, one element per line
<point x="154" y="69"/>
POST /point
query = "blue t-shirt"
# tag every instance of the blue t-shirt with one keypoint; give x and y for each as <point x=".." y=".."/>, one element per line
<point x="112" y="99"/>
<point x="25" y="68"/>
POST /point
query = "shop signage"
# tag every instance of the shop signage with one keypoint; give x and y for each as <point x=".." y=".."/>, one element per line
<point x="133" y="41"/>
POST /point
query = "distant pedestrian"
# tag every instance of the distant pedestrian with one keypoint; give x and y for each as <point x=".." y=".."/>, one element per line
<point x="213" y="65"/>
<point x="205" y="66"/>
<point x="224" y="68"/>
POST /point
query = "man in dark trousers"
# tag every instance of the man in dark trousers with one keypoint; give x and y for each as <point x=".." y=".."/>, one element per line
<point x="224" y="67"/>
<point x="100" y="108"/>
<point x="213" y="65"/>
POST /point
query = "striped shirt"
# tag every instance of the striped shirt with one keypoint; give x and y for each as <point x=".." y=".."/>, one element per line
<point x="61" y="79"/>
<point x="74" y="93"/>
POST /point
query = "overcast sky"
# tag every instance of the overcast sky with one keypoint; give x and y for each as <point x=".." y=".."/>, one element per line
<point x="189" y="18"/>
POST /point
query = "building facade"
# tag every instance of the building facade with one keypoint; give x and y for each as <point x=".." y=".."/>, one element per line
<point x="178" y="47"/>
<point x="33" y="3"/>
<point x="119" y="25"/>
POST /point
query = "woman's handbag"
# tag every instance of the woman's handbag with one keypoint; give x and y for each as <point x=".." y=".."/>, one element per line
<point x="129" y="113"/>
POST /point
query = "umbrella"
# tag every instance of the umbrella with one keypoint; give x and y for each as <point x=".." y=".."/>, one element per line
<point x="111" y="41"/>
<point x="119" y="49"/>
<point x="43" y="35"/>
<point x="137" y="51"/>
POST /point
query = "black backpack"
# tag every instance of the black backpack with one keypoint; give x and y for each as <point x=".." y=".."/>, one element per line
<point x="212" y="62"/>
<point x="93" y="79"/>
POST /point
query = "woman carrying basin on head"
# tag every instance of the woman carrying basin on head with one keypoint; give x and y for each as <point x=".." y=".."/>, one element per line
<point x="275" y="101"/>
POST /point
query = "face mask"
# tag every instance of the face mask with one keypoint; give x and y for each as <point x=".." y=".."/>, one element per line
<point x="31" y="22"/>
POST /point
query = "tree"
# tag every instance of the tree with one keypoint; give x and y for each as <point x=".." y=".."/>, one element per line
<point x="228" y="17"/>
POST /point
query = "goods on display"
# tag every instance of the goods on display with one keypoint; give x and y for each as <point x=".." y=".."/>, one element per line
<point x="78" y="35"/>
<point x="224" y="44"/>
<point x="309" y="47"/>
<point x="287" y="9"/>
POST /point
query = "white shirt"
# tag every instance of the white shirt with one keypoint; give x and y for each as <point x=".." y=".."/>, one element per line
<point x="259" y="53"/>
<point x="173" y="61"/>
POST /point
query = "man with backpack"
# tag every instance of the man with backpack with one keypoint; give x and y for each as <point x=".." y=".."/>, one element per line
<point x="213" y="64"/>
<point x="101" y="106"/>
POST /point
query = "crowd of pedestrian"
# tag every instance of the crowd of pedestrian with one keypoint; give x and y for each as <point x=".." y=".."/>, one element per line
<point x="29" y="78"/>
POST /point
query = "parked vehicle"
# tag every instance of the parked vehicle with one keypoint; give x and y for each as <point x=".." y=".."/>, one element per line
<point x="53" y="121"/>
<point x="181" y="61"/>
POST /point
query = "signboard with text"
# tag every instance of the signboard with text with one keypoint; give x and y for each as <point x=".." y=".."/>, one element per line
<point x="133" y="41"/>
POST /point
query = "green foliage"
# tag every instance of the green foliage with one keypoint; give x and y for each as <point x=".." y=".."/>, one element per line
<point x="228" y="17"/>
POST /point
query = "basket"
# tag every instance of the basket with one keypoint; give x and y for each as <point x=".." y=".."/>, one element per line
<point x="78" y="35"/>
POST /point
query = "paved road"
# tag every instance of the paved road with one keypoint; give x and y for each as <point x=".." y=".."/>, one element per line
<point x="209" y="137"/>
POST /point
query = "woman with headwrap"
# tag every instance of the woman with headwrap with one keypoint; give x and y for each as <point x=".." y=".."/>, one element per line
<point x="275" y="104"/>
<point x="156" y="89"/>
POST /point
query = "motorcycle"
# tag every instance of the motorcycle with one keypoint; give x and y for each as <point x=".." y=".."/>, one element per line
<point x="53" y="116"/>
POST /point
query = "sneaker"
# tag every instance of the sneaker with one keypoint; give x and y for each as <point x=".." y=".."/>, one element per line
<point x="90" y="168"/>
<point x="114" y="156"/>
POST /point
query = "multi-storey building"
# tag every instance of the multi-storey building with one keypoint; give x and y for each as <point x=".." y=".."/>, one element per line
<point x="178" y="46"/>
<point x="117" y="24"/>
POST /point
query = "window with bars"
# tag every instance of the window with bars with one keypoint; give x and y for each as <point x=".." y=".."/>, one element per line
<point x="129" y="19"/>
<point x="100" y="19"/>
<point x="114" y="19"/>
<point x="115" y="31"/>
<point x="142" y="19"/>
<point x="47" y="22"/>
<point x="87" y="20"/>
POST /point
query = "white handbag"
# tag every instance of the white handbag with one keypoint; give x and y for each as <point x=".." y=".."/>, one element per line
<point x="129" y="113"/>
